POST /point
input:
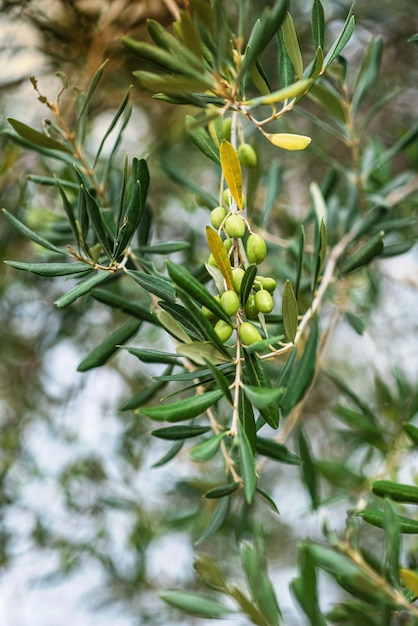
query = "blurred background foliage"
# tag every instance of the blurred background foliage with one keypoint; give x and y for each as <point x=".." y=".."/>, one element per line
<point x="73" y="469"/>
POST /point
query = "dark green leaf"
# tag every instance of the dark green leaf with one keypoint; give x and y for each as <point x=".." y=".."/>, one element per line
<point x="308" y="469"/>
<point x="37" y="139"/>
<point x="247" y="282"/>
<point x="69" y="210"/>
<point x="96" y="220"/>
<point x="165" y="248"/>
<point x="356" y="322"/>
<point x="369" y="71"/>
<point x="195" y="289"/>
<point x="342" y="38"/>
<point x="300" y="261"/>
<point x="325" y="96"/>
<point x="51" y="269"/>
<point x="81" y="289"/>
<point x="201" y="139"/>
<point x="304" y="373"/>
<point x="120" y="302"/>
<point x="146" y="394"/>
<point x="221" y="491"/>
<point x="183" y="409"/>
<point x="276" y="451"/>
<point x="267" y="499"/>
<point x="246" y="416"/>
<point x="392" y="542"/>
<point x="195" y="603"/>
<point x="218" y="518"/>
<point x="412" y="432"/>
<point x="170" y="455"/>
<point x="364" y="255"/>
<point x="262" y="397"/>
<point x="176" y="433"/>
<point x="272" y="189"/>
<point x="376" y="518"/>
<point x="318" y="24"/>
<point x="286" y="70"/>
<point x="102" y="353"/>
<point x="291" y="42"/>
<point x="247" y="462"/>
<point x="156" y="284"/>
<point x="29" y="234"/>
<point x="80" y="120"/>
<point x="395" y="491"/>
<point x="123" y="105"/>
<point x="152" y="356"/>
<point x="257" y="376"/>
<point x="221" y="381"/>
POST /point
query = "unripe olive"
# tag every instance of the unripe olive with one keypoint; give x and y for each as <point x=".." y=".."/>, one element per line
<point x="237" y="276"/>
<point x="247" y="155"/>
<point x="251" y="310"/>
<point x="226" y="129"/>
<point x="217" y="216"/>
<point x="228" y="244"/>
<point x="256" y="249"/>
<point x="264" y="301"/>
<point x="230" y="302"/>
<point x="265" y="282"/>
<point x="223" y="330"/>
<point x="235" y="225"/>
<point x="227" y="198"/>
<point x="249" y="334"/>
<point x="208" y="313"/>
<point x="211" y="260"/>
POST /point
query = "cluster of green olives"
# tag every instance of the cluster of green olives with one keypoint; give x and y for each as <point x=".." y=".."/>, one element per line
<point x="234" y="227"/>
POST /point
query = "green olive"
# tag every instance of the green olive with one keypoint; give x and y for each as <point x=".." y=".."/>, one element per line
<point x="208" y="313"/>
<point x="264" y="301"/>
<point x="237" y="276"/>
<point x="211" y="260"/>
<point x="227" y="198"/>
<point x="247" y="155"/>
<point x="235" y="226"/>
<point x="265" y="282"/>
<point x="230" y="302"/>
<point x="223" y="330"/>
<point x="251" y="310"/>
<point x="228" y="244"/>
<point x="249" y="334"/>
<point x="226" y="129"/>
<point x="217" y="216"/>
<point x="256" y="249"/>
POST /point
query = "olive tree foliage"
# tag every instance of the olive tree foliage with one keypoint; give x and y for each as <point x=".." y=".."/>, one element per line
<point x="233" y="320"/>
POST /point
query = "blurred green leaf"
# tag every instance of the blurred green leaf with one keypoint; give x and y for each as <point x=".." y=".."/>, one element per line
<point x="247" y="283"/>
<point x="256" y="376"/>
<point x="276" y="451"/>
<point x="152" y="356"/>
<point x="262" y="397"/>
<point x="159" y="285"/>
<point x="392" y="542"/>
<point x="36" y="139"/>
<point x="102" y="353"/>
<point x="395" y="491"/>
<point x="248" y="469"/>
<point x="369" y="71"/>
<point x="81" y="289"/>
<point x="195" y="603"/>
<point x="178" y="433"/>
<point x="342" y="39"/>
<point x="216" y="521"/>
<point x="30" y="234"/>
<point x="376" y="518"/>
<point x="51" y="269"/>
<point x="412" y="432"/>
<point x="364" y="255"/>
<point x="309" y="476"/>
<point x="206" y="450"/>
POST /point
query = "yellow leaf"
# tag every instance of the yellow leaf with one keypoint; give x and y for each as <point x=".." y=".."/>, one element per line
<point x="289" y="141"/>
<point x="410" y="579"/>
<point x="231" y="169"/>
<point x="220" y="255"/>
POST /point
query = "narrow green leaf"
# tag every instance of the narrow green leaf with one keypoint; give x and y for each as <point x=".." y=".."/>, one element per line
<point x="69" y="210"/>
<point x="395" y="491"/>
<point x="248" y="469"/>
<point x="308" y="469"/>
<point x="318" y="24"/>
<point x="172" y="84"/>
<point x="216" y="521"/>
<point x="152" y="356"/>
<point x="246" y="417"/>
<point x="30" y="234"/>
<point x="231" y="169"/>
<point x="123" y="105"/>
<point x="292" y="44"/>
<point x="263" y="31"/>
<point x="261" y="397"/>
<point x="267" y="499"/>
<point x="286" y="69"/>
<point x="183" y="409"/>
<point x="195" y="289"/>
<point x="201" y="138"/>
<point x="122" y="303"/>
<point x="165" y="248"/>
<point x="96" y="220"/>
<point x="412" y="432"/>
<point x="102" y="353"/>
<point x="170" y="454"/>
<point x="293" y="90"/>
<point x="206" y="450"/>
<point x="273" y="187"/>
<point x="156" y="284"/>
<point x="51" y="269"/>
<point x="276" y="451"/>
<point x="195" y="604"/>
<point x="303" y="374"/>
<point x="221" y="491"/>
<point x="369" y="71"/>
<point x="247" y="283"/>
<point x="342" y="38"/>
<point x="376" y="518"/>
<point x="289" y="311"/>
<point x="329" y="99"/>
<point x="81" y="289"/>
<point x="256" y="375"/>
<point x="80" y="120"/>
<point x="301" y="254"/>
<point x="220" y="379"/>
<point x="392" y="542"/>
<point x="179" y="433"/>
<point x="364" y="255"/>
<point x="34" y="137"/>
<point x="356" y="322"/>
